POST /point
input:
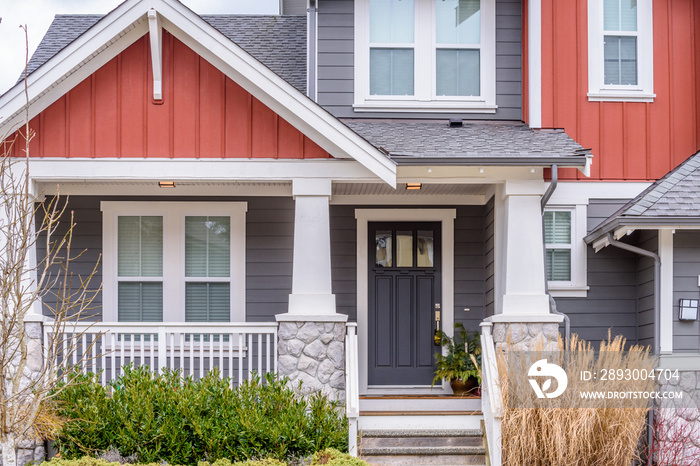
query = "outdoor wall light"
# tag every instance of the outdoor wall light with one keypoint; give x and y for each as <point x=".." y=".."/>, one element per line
<point x="688" y="309"/>
<point x="414" y="185"/>
<point x="166" y="184"/>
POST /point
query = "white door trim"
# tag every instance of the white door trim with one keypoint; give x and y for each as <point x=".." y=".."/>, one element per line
<point x="363" y="216"/>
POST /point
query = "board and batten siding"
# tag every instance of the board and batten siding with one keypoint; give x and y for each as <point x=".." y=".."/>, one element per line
<point x="336" y="63"/>
<point x="269" y="246"/>
<point x="469" y="272"/>
<point x="686" y="269"/>
<point x="611" y="302"/>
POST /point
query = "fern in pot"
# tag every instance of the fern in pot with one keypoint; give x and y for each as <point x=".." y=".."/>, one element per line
<point x="460" y="364"/>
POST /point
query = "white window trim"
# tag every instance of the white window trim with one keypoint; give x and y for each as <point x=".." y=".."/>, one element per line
<point x="173" y="214"/>
<point x="425" y="99"/>
<point x="577" y="286"/>
<point x="597" y="89"/>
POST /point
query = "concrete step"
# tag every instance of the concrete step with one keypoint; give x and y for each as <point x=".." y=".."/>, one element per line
<point x="422" y="420"/>
<point x="426" y="460"/>
<point x="419" y="403"/>
<point x="422" y="447"/>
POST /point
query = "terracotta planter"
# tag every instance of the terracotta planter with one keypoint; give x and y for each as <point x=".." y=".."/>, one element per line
<point x="462" y="387"/>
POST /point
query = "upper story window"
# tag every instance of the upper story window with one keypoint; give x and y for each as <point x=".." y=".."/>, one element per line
<point x="418" y="55"/>
<point x="620" y="46"/>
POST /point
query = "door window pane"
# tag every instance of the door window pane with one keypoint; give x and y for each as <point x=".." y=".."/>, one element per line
<point x="207" y="246"/>
<point x="207" y="302"/>
<point x="391" y="71"/>
<point x="382" y="254"/>
<point x="140" y="246"/>
<point x="458" y="72"/>
<point x="424" y="249"/>
<point x="391" y="21"/>
<point x="558" y="265"/>
<point x="404" y="249"/>
<point x="140" y="301"/>
<point x="620" y="56"/>
<point x="458" y="21"/>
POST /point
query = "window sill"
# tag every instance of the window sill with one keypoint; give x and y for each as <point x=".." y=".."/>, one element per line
<point x="620" y="96"/>
<point x="425" y="107"/>
<point x="568" y="291"/>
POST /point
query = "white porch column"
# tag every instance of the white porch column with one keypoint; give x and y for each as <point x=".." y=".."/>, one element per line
<point x="523" y="283"/>
<point x="311" y="272"/>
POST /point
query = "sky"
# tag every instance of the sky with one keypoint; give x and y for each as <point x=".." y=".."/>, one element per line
<point x="38" y="14"/>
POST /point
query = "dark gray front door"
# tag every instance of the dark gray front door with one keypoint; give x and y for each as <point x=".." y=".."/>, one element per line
<point x="404" y="291"/>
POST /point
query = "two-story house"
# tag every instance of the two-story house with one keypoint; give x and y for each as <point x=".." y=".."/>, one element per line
<point x="385" y="163"/>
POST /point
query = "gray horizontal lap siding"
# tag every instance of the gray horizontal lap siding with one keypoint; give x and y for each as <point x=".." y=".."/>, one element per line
<point x="336" y="63"/>
<point x="269" y="244"/>
<point x="489" y="258"/>
<point x="611" y="302"/>
<point x="646" y="239"/>
<point x="469" y="270"/>
<point x="686" y="269"/>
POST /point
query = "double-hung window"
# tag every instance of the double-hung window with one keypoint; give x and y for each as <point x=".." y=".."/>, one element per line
<point x="174" y="261"/>
<point x="425" y="55"/>
<point x="565" y="251"/>
<point x="620" y="50"/>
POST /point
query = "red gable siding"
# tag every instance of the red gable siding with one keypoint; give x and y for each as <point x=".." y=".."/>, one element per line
<point x="203" y="114"/>
<point x="630" y="141"/>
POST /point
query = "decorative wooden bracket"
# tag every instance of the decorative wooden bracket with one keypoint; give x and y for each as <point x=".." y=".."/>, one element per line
<point x="155" y="31"/>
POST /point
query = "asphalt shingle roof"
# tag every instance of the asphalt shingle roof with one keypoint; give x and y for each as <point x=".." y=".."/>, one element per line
<point x="279" y="42"/>
<point x="474" y="140"/>
<point x="676" y="195"/>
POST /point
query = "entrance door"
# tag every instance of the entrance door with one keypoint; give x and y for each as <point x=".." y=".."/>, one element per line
<point x="404" y="293"/>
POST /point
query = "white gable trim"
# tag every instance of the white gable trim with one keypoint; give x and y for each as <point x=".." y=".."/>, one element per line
<point x="87" y="54"/>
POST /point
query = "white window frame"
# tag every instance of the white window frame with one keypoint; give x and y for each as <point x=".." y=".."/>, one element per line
<point x="425" y="98"/>
<point x="576" y="287"/>
<point x="643" y="91"/>
<point x="173" y="214"/>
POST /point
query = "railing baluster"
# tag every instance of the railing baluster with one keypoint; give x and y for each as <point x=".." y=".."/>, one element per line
<point x="230" y="359"/>
<point x="162" y="350"/>
<point x="250" y="355"/>
<point x="103" y="351"/>
<point x="142" y="354"/>
<point x="192" y="354"/>
<point x="201" y="355"/>
<point x="114" y="355"/>
<point x="267" y="352"/>
<point x="131" y="349"/>
<point x="221" y="355"/>
<point x="240" y="358"/>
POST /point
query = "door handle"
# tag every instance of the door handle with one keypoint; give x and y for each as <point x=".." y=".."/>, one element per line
<point x="437" y="341"/>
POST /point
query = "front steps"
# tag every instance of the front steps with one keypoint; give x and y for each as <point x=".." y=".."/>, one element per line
<point x="422" y="447"/>
<point x="421" y="430"/>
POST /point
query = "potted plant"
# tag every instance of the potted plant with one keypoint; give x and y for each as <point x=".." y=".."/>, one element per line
<point x="460" y="365"/>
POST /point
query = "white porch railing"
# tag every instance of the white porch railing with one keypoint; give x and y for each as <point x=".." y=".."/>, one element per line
<point x="236" y="349"/>
<point x="491" y="399"/>
<point x="352" y="386"/>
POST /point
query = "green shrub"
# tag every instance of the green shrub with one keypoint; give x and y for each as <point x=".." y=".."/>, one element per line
<point x="226" y="462"/>
<point x="333" y="457"/>
<point x="178" y="420"/>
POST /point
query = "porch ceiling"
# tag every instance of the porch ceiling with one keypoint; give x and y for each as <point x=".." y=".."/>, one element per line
<point x="382" y="189"/>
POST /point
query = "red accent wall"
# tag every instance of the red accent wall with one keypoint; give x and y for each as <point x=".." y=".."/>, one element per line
<point x="203" y="114"/>
<point x="629" y="140"/>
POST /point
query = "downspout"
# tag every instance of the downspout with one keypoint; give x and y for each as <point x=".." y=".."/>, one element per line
<point x="657" y="284"/>
<point x="552" y="304"/>
<point x="311" y="48"/>
<point x="657" y="311"/>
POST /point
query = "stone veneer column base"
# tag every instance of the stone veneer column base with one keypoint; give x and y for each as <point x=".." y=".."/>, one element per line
<point x="31" y="451"/>
<point x="525" y="333"/>
<point x="311" y="350"/>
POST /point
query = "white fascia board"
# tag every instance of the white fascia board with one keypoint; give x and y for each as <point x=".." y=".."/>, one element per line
<point x="127" y="23"/>
<point x="143" y="169"/>
<point x="280" y="96"/>
<point x="78" y="60"/>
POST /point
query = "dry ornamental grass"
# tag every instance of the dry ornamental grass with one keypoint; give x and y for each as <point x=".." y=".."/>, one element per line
<point x="569" y="431"/>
